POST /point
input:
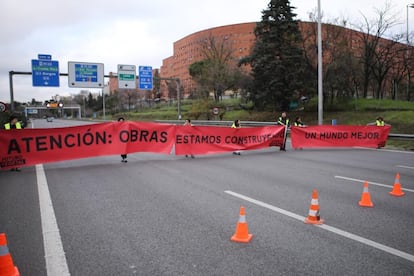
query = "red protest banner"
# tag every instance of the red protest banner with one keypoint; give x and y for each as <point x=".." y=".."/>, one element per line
<point x="211" y="139"/>
<point x="339" y="136"/>
<point x="25" y="147"/>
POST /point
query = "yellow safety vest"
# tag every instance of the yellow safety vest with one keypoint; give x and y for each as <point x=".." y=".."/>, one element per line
<point x="280" y="121"/>
<point x="380" y="123"/>
<point x="7" y="126"/>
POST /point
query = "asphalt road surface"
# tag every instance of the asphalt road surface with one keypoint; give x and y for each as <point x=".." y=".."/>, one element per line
<point x="171" y="215"/>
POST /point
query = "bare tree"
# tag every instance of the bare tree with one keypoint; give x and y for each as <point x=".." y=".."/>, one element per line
<point x="128" y="97"/>
<point x="373" y="58"/>
<point x="218" y="70"/>
<point x="339" y="64"/>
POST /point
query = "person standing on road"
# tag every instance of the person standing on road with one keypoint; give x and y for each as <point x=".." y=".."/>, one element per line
<point x="188" y="123"/>
<point x="378" y="122"/>
<point x="284" y="121"/>
<point x="13" y="124"/>
<point x="298" y="122"/>
<point x="236" y="124"/>
<point x="123" y="156"/>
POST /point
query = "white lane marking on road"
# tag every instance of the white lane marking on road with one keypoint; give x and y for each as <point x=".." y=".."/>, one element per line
<point x="56" y="263"/>
<point x="405" y="167"/>
<point x="373" y="183"/>
<point x="334" y="230"/>
<point x="388" y="150"/>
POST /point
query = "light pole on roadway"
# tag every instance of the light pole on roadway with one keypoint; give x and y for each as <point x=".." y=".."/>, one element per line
<point x="320" y="85"/>
<point x="407" y="56"/>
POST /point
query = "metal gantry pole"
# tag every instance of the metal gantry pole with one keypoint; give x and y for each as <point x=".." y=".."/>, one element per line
<point x="11" y="91"/>
<point x="103" y="105"/>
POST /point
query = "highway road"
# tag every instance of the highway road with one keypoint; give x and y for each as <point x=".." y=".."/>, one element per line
<point x="171" y="215"/>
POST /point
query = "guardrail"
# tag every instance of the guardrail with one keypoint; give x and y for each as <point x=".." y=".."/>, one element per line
<point x="395" y="136"/>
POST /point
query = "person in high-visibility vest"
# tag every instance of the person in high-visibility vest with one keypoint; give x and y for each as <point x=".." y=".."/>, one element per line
<point x="284" y="121"/>
<point x="13" y="123"/>
<point x="298" y="122"/>
<point x="123" y="156"/>
<point x="236" y="124"/>
<point x="379" y="122"/>
<point x="188" y="123"/>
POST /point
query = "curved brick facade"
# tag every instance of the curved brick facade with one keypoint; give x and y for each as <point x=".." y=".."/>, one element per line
<point x="189" y="50"/>
<point x="241" y="38"/>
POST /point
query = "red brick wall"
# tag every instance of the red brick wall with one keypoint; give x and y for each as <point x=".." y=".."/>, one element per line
<point x="241" y="37"/>
<point x="189" y="50"/>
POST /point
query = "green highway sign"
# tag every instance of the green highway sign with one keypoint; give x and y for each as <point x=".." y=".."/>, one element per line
<point x="126" y="77"/>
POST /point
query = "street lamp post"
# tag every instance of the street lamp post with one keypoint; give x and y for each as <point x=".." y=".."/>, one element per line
<point x="320" y="85"/>
<point x="407" y="56"/>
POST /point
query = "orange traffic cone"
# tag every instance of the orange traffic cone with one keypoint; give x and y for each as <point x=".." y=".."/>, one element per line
<point x="7" y="267"/>
<point x="366" y="197"/>
<point x="314" y="215"/>
<point x="396" y="190"/>
<point x="242" y="231"/>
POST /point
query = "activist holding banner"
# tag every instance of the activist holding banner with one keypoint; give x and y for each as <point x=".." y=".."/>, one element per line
<point x="189" y="124"/>
<point x="378" y="122"/>
<point x="284" y="121"/>
<point x="123" y="156"/>
<point x="298" y="122"/>
<point x="236" y="124"/>
<point x="13" y="124"/>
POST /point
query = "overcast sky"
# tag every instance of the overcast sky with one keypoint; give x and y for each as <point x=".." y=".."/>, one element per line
<point x="133" y="32"/>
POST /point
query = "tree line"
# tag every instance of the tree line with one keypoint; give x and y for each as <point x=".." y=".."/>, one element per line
<point x="282" y="66"/>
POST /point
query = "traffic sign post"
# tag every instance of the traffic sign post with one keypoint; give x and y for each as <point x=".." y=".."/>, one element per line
<point x="3" y="107"/>
<point x="145" y="78"/>
<point x="45" y="71"/>
<point x="127" y="77"/>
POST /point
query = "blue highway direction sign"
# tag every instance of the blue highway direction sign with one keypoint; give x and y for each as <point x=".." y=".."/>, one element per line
<point x="45" y="72"/>
<point x="145" y="78"/>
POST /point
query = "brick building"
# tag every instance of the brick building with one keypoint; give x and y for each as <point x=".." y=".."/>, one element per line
<point x="241" y="37"/>
<point x="189" y="50"/>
